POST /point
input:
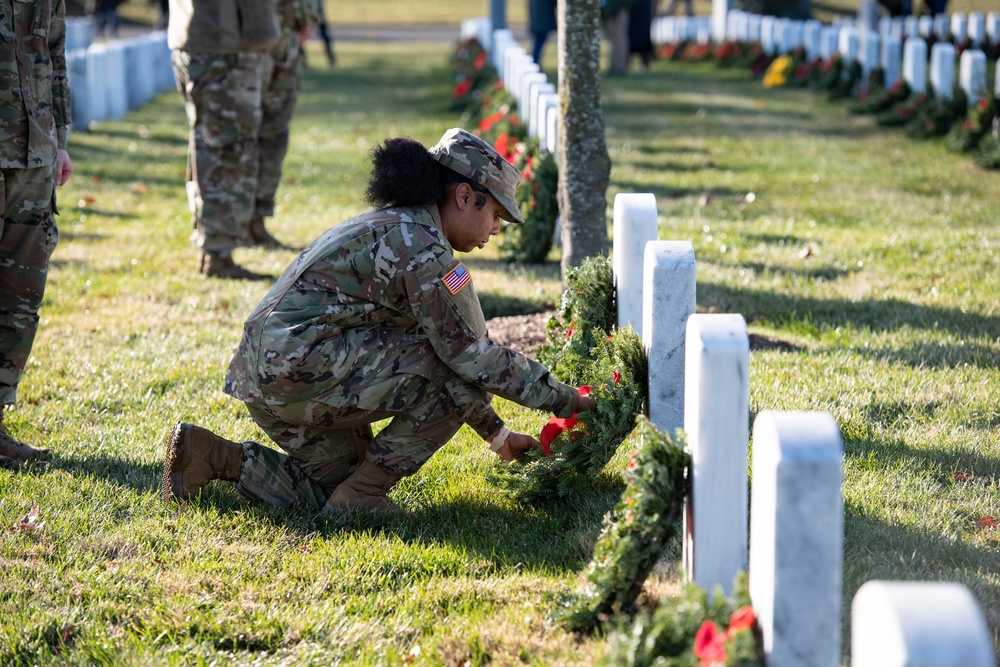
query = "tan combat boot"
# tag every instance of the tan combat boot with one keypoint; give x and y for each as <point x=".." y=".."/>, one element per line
<point x="14" y="450"/>
<point x="260" y="236"/>
<point x="365" y="489"/>
<point x="214" y="266"/>
<point x="194" y="457"/>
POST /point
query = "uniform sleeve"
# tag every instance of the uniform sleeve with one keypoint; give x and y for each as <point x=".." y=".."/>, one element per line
<point x="60" y="84"/>
<point x="445" y="304"/>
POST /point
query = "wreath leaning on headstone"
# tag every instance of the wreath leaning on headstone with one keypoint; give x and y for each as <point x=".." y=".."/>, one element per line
<point x="636" y="531"/>
<point x="964" y="137"/>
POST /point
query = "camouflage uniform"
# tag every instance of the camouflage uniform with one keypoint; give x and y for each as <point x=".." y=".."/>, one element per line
<point x="279" y="92"/>
<point x="34" y="98"/>
<point x="218" y="68"/>
<point x="375" y="319"/>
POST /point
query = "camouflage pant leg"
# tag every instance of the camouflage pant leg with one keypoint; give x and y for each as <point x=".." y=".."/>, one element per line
<point x="279" y="93"/>
<point x="221" y="95"/>
<point x="28" y="236"/>
<point x="323" y="444"/>
<point x="412" y="437"/>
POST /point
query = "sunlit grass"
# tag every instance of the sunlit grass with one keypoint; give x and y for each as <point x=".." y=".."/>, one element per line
<point x="875" y="255"/>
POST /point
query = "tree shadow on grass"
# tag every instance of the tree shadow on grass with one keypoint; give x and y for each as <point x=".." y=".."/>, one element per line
<point x="871" y="314"/>
<point x="877" y="549"/>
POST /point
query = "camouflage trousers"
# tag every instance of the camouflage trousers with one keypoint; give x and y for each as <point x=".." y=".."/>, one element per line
<point x="279" y="93"/>
<point x="221" y="94"/>
<point x="28" y="236"/>
<point x="325" y="444"/>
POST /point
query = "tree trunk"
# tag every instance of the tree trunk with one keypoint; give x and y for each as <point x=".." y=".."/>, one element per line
<point x="584" y="164"/>
<point x="787" y="9"/>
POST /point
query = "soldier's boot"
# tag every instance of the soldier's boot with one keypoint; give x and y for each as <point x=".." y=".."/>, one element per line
<point x="365" y="489"/>
<point x="194" y="457"/>
<point x="215" y="266"/>
<point x="15" y="450"/>
<point x="331" y="58"/>
<point x="260" y="236"/>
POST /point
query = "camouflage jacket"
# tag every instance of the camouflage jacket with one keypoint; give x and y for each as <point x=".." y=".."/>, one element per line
<point x="34" y="93"/>
<point x="367" y="306"/>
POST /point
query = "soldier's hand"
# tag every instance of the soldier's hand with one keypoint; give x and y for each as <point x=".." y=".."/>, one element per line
<point x="517" y="446"/>
<point x="584" y="403"/>
<point x="64" y="167"/>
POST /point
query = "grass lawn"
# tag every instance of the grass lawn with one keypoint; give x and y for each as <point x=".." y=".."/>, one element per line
<point x="894" y="314"/>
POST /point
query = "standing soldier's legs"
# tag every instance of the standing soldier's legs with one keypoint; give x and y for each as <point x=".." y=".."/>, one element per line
<point x="28" y="236"/>
<point x="221" y="95"/>
<point x="279" y="93"/>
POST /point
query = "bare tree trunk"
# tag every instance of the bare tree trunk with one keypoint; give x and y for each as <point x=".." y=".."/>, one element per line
<point x="584" y="164"/>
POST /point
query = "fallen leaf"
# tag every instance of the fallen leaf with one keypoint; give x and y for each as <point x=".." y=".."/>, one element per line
<point x="86" y="201"/>
<point x="412" y="655"/>
<point x="29" y="521"/>
<point x="705" y="200"/>
<point x="291" y="180"/>
<point x="159" y="562"/>
<point x="96" y="178"/>
<point x="963" y="477"/>
<point x="142" y="188"/>
<point x="181" y="508"/>
<point x="987" y="523"/>
<point x="809" y="251"/>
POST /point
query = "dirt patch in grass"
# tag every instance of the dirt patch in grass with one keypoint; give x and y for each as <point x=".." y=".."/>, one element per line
<point x="525" y="333"/>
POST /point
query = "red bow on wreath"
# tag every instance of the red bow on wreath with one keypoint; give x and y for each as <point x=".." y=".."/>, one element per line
<point x="557" y="425"/>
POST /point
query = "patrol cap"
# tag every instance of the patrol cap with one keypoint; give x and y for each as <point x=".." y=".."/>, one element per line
<point x="471" y="156"/>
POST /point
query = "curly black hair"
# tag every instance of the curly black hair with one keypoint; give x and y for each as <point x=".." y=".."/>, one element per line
<point x="405" y="174"/>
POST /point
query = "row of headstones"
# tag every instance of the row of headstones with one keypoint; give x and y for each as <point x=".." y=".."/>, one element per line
<point x="699" y="382"/>
<point x="107" y="80"/>
<point x="974" y="29"/>
<point x="898" y="46"/>
<point x="537" y="100"/>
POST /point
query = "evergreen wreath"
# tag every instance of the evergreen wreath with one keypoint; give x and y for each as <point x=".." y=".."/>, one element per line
<point x="617" y="376"/>
<point x="537" y="197"/>
<point x="988" y="153"/>
<point x="636" y="531"/>
<point x="587" y="313"/>
<point x="937" y="115"/>
<point x="473" y="74"/>
<point x="685" y="631"/>
<point x="964" y="137"/>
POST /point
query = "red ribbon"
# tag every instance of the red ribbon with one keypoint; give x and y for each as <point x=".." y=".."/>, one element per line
<point x="557" y="425"/>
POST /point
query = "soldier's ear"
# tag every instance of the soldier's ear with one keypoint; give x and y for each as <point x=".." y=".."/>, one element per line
<point x="464" y="195"/>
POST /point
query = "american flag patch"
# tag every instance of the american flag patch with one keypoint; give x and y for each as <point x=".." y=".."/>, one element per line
<point x="457" y="278"/>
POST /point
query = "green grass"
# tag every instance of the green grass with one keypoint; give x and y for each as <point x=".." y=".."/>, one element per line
<point x="895" y="315"/>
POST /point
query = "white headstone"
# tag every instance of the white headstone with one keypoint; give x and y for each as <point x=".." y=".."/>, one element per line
<point x="892" y="61"/>
<point x="942" y="26"/>
<point x="668" y="294"/>
<point x="634" y="225"/>
<point x="925" y="25"/>
<point x="972" y="74"/>
<point x="767" y="42"/>
<point x="810" y="38"/>
<point x="502" y="40"/>
<point x="796" y="537"/>
<point x="918" y="624"/>
<point x="993" y="27"/>
<point x="523" y="92"/>
<point x="869" y="55"/>
<point x="716" y="414"/>
<point x="847" y="45"/>
<point x="76" y="72"/>
<point x="753" y="28"/>
<point x="959" y="27"/>
<point x="720" y="12"/>
<point x="942" y="74"/>
<point x="977" y="29"/>
<point x="552" y="130"/>
<point x="915" y="64"/>
<point x="911" y="26"/>
<point x="829" y="42"/>
<point x="97" y="82"/>
<point x="536" y="119"/>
